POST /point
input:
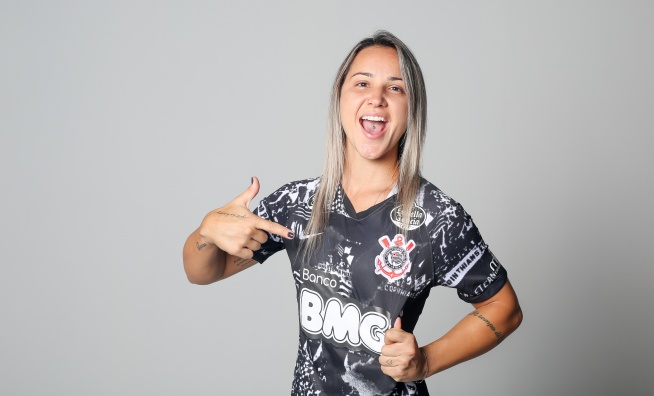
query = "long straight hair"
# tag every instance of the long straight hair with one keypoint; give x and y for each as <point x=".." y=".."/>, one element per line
<point x="410" y="145"/>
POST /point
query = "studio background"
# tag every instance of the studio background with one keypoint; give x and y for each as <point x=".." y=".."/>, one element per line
<point x="123" y="123"/>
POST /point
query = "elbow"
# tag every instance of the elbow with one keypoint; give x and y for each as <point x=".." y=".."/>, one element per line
<point x="194" y="280"/>
<point x="197" y="277"/>
<point x="513" y="311"/>
<point x="201" y="278"/>
<point x="197" y="280"/>
<point x="191" y="277"/>
<point x="516" y="318"/>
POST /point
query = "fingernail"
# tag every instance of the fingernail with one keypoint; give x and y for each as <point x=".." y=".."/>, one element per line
<point x="291" y="235"/>
<point x="251" y="180"/>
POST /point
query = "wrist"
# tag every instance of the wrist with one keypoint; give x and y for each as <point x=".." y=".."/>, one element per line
<point x="425" y="372"/>
<point x="425" y="369"/>
<point x="203" y="243"/>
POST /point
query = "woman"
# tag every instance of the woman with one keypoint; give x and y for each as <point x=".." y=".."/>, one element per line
<point x="367" y="241"/>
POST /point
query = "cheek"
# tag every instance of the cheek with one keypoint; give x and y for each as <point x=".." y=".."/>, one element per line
<point x="346" y="105"/>
<point x="342" y="108"/>
<point x="348" y="112"/>
<point x="403" y="108"/>
<point x="403" y="115"/>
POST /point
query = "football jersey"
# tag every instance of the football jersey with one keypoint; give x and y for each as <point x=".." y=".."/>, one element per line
<point x="365" y="273"/>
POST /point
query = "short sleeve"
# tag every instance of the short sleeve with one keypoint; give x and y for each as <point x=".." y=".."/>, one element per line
<point x="463" y="260"/>
<point x="270" y="208"/>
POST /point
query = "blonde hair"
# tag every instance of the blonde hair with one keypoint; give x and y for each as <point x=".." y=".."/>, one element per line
<point x="410" y="147"/>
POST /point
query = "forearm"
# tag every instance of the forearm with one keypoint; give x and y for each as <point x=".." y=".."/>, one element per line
<point x="477" y="333"/>
<point x="204" y="262"/>
<point x="226" y="240"/>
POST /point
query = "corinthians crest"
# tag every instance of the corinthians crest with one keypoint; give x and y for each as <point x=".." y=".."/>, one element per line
<point x="393" y="262"/>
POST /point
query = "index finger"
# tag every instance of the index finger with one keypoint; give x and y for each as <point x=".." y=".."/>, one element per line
<point x="274" y="228"/>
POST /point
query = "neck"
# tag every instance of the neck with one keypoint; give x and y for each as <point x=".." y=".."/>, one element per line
<point x="367" y="183"/>
<point x="358" y="178"/>
<point x="364" y="172"/>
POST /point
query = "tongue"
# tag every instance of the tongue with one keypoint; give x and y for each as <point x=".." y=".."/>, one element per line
<point x="373" y="126"/>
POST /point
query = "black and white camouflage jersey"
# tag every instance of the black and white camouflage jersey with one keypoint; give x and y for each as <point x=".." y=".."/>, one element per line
<point x="365" y="274"/>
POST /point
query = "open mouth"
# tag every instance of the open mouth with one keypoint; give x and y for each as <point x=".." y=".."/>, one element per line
<point x="374" y="125"/>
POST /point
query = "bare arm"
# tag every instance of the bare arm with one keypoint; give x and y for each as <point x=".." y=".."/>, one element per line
<point x="477" y="333"/>
<point x="224" y="243"/>
<point x="205" y="263"/>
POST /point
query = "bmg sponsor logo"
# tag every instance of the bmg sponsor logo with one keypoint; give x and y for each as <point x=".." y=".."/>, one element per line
<point x="340" y="320"/>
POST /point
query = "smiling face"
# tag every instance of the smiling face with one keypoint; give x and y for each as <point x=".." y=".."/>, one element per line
<point x="374" y="105"/>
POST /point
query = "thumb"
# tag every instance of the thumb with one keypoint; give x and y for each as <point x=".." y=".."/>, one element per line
<point x="391" y="337"/>
<point x="252" y="191"/>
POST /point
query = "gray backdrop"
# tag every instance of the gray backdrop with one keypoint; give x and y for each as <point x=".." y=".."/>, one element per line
<point x="123" y="123"/>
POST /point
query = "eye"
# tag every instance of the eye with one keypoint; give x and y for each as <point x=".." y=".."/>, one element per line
<point x="395" y="88"/>
<point x="362" y="84"/>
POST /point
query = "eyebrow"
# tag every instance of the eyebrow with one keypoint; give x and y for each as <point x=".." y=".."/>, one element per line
<point x="391" y="78"/>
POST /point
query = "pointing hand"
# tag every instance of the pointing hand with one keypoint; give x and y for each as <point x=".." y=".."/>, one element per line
<point x="236" y="230"/>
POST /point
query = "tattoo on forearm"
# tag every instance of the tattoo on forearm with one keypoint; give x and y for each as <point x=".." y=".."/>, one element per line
<point x="242" y="262"/>
<point x="200" y="247"/>
<point x="498" y="334"/>
<point x="230" y="214"/>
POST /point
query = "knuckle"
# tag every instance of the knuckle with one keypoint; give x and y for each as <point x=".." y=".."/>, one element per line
<point x="264" y="237"/>
<point x="250" y="233"/>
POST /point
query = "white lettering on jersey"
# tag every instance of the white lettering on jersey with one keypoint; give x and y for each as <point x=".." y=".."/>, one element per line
<point x="319" y="279"/>
<point x="417" y="218"/>
<point x="495" y="267"/>
<point x="342" y="323"/>
<point x="457" y="273"/>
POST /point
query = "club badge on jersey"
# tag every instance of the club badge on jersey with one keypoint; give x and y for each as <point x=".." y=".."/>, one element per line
<point x="394" y="262"/>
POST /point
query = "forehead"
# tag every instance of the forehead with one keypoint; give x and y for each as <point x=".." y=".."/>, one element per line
<point x="376" y="60"/>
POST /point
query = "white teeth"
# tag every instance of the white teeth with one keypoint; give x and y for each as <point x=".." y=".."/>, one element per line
<point x="373" y="118"/>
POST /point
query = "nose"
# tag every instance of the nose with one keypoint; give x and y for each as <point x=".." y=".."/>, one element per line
<point x="377" y="98"/>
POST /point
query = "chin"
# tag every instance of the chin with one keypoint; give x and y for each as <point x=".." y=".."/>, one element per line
<point x="373" y="155"/>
